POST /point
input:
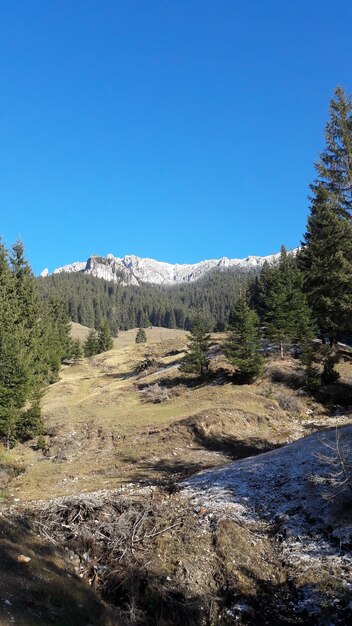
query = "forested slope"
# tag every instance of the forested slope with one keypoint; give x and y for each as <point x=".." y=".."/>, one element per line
<point x="91" y="299"/>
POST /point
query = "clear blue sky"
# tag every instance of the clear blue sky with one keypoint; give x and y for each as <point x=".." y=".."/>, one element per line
<point x="179" y="130"/>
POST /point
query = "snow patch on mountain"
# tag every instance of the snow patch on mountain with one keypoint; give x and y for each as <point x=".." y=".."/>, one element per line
<point x="77" y="266"/>
<point x="133" y="270"/>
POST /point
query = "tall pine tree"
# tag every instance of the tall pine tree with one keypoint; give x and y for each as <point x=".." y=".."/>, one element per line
<point x="286" y="315"/>
<point x="243" y="346"/>
<point x="326" y="260"/>
<point x="326" y="256"/>
<point x="334" y="167"/>
<point x="105" y="340"/>
<point x="27" y="330"/>
<point x="91" y="344"/>
<point x="197" y="359"/>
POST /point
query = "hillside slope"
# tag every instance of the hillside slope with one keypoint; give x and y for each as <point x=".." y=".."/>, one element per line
<point x="250" y="541"/>
<point x="289" y="495"/>
<point x="108" y="423"/>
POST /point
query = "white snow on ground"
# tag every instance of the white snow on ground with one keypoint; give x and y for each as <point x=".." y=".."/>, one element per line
<point x="275" y="492"/>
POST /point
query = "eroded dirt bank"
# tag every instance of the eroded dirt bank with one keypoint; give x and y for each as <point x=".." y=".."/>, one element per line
<point x="255" y="542"/>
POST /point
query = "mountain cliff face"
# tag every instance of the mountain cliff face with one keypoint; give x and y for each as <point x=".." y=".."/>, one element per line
<point x="133" y="270"/>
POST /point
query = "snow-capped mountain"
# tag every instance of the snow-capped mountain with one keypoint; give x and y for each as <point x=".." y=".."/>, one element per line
<point x="133" y="270"/>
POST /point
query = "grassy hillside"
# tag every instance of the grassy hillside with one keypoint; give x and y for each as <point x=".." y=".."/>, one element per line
<point x="125" y="427"/>
<point x="103" y="432"/>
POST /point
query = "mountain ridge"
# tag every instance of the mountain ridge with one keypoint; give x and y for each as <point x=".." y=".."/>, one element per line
<point x="133" y="270"/>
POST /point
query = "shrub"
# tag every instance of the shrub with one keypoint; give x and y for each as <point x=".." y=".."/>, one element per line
<point x="335" y="474"/>
<point x="145" y="365"/>
<point x="289" y="403"/>
<point x="41" y="443"/>
<point x="141" y="336"/>
<point x="155" y="394"/>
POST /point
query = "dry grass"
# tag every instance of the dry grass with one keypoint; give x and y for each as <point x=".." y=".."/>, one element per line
<point x="102" y="433"/>
<point x="79" y="332"/>
<point x="101" y="436"/>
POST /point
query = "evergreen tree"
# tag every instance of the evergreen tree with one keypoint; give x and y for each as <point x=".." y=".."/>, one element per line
<point x="326" y="261"/>
<point x="197" y="359"/>
<point x="26" y="350"/>
<point x="141" y="336"/>
<point x="243" y="346"/>
<point x="258" y="290"/>
<point x="329" y="374"/>
<point x="31" y="423"/>
<point x="334" y="167"/>
<point x="278" y="312"/>
<point x="172" y="319"/>
<point x="287" y="316"/>
<point x="326" y="255"/>
<point x="91" y="344"/>
<point x="105" y="341"/>
<point x="20" y="348"/>
<point x="29" y="322"/>
<point x="15" y="386"/>
<point x="55" y="336"/>
<point x="77" y="350"/>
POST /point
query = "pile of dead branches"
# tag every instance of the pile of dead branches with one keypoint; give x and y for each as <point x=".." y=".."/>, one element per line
<point x="108" y="537"/>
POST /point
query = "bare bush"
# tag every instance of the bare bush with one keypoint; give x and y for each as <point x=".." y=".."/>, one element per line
<point x="336" y="464"/>
<point x="289" y="403"/>
<point x="155" y="394"/>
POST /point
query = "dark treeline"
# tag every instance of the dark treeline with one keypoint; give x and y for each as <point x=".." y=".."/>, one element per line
<point x="90" y="300"/>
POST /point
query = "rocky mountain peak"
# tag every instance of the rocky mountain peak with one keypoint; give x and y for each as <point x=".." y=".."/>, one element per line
<point x="133" y="270"/>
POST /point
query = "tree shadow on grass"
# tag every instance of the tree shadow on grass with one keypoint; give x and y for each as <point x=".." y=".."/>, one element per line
<point x="339" y="393"/>
<point x="164" y="471"/>
<point x="170" y="383"/>
<point x="123" y="376"/>
<point x="234" y="447"/>
<point x="44" y="590"/>
<point x="167" y="471"/>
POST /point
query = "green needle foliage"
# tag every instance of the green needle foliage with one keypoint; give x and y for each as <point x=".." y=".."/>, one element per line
<point x="243" y="346"/>
<point x="97" y="342"/>
<point x="326" y="261"/>
<point x="334" y="167"/>
<point x="34" y="338"/>
<point x="91" y="344"/>
<point x="77" y="351"/>
<point x="105" y="340"/>
<point x="141" y="336"/>
<point x="326" y="255"/>
<point x="283" y="305"/>
<point x="197" y="359"/>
